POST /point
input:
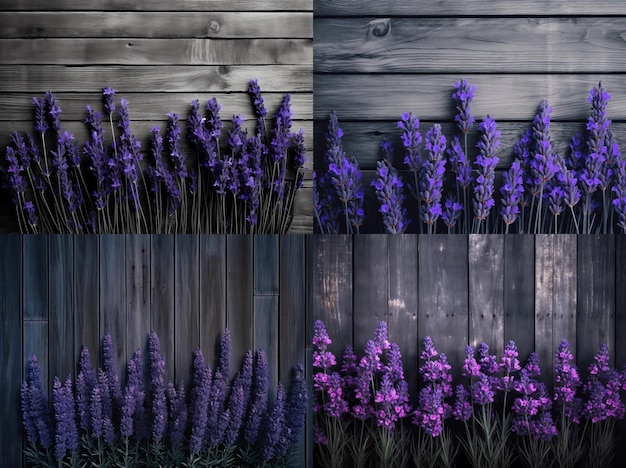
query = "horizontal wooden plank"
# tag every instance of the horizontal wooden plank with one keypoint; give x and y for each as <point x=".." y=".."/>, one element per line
<point x="362" y="139"/>
<point x="302" y="211"/>
<point x="156" y="51"/>
<point x="157" y="5"/>
<point x="512" y="97"/>
<point x="469" y="45"/>
<point x="156" y="25"/>
<point x="153" y="106"/>
<point x="475" y="7"/>
<point x="155" y="78"/>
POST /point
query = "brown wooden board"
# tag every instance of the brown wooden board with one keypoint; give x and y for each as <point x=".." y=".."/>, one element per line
<point x="265" y="334"/>
<point x="544" y="303"/>
<point x="519" y="293"/>
<point x="87" y="296"/>
<point x="331" y="288"/>
<point x="113" y="305"/>
<point x="620" y="301"/>
<point x="370" y="278"/>
<point x="212" y="266"/>
<point x="155" y="78"/>
<point x="187" y="304"/>
<point x="162" y="297"/>
<point x="596" y="298"/>
<point x="140" y="51"/>
<point x="402" y="302"/>
<point x="35" y="265"/>
<point x="138" y="290"/>
<point x="443" y="301"/>
<point x="11" y="349"/>
<point x="158" y="5"/>
<point x="473" y="8"/>
<point x="486" y="291"/>
<point x="266" y="265"/>
<point x="156" y="25"/>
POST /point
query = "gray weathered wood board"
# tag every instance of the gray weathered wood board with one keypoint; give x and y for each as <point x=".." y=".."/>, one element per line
<point x="157" y="5"/>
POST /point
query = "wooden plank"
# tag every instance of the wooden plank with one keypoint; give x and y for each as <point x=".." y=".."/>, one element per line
<point x="162" y="297"/>
<point x="545" y="345"/>
<point x="302" y="213"/>
<point x="402" y="302"/>
<point x="362" y="139"/>
<point x="474" y="8"/>
<point x="156" y="25"/>
<point x="35" y="265"/>
<point x="511" y="45"/>
<point x="11" y="349"/>
<point x="486" y="291"/>
<point x="239" y="293"/>
<point x="331" y="288"/>
<point x="36" y="342"/>
<point x="519" y="293"/>
<point x="153" y="106"/>
<point x="87" y="296"/>
<point x="61" y="314"/>
<point x="620" y="301"/>
<point x="113" y="305"/>
<point x="155" y="78"/>
<point x="370" y="279"/>
<point x="212" y="265"/>
<point x="138" y="51"/>
<point x="565" y="289"/>
<point x="596" y="298"/>
<point x="266" y="265"/>
<point x="187" y="305"/>
<point x="443" y="301"/>
<point x="138" y="291"/>
<point x="265" y="330"/>
<point x="292" y="304"/>
<point x="157" y="5"/>
<point x="502" y="96"/>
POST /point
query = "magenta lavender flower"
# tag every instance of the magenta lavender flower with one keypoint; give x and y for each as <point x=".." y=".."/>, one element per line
<point x="430" y="413"/>
<point x="509" y="364"/>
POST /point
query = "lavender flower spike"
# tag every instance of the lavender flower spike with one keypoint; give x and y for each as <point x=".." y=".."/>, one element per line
<point x="35" y="416"/>
<point x="388" y="188"/>
<point x="66" y="433"/>
<point x="274" y="424"/>
<point x="463" y="96"/>
<point x="157" y="389"/>
<point x="258" y="399"/>
<point x="486" y="163"/>
<point x="200" y="394"/>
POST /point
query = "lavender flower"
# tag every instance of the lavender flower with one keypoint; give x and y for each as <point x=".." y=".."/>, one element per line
<point x="452" y="211"/>
<point x="512" y="193"/>
<point x="486" y="163"/>
<point x="488" y="362"/>
<point x="482" y="392"/>
<point x="108" y="366"/>
<point x="274" y="425"/>
<point x="238" y="400"/>
<point x="198" y="406"/>
<point x="215" y="429"/>
<point x="177" y="409"/>
<point x="295" y="411"/>
<point x="41" y="124"/>
<point x="431" y="180"/>
<point x="391" y="401"/>
<point x="173" y="138"/>
<point x="471" y="368"/>
<point x="157" y="389"/>
<point x="260" y="110"/>
<point x="436" y="370"/>
<point x="509" y="364"/>
<point x="430" y="413"/>
<point x="66" y="433"/>
<point x="566" y="382"/>
<point x="35" y="416"/>
<point x="411" y="139"/>
<point x="532" y="365"/>
<point x="388" y="188"/>
<point x="53" y="111"/>
<point x="462" y="407"/>
<point x="258" y="399"/>
<point x="321" y="358"/>
<point x="463" y="96"/>
<point x="135" y="382"/>
<point x="619" y="197"/>
<point x="109" y="99"/>
<point x="127" y="413"/>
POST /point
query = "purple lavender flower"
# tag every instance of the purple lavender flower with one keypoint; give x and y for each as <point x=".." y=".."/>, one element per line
<point x="281" y="134"/>
<point x="566" y="382"/>
<point x="486" y="163"/>
<point x="238" y="400"/>
<point x="41" y="124"/>
<point x="436" y="370"/>
<point x="54" y="111"/>
<point x="431" y="180"/>
<point x="215" y="429"/>
<point x="471" y="368"/>
<point x="462" y="407"/>
<point x="97" y="416"/>
<point x="177" y="409"/>
<point x="512" y="193"/>
<point x="391" y="401"/>
<point x="602" y="390"/>
<point x="452" y="211"/>
<point x="127" y="413"/>
<point x="135" y="381"/>
<point x="273" y="425"/>
<point x="321" y="358"/>
<point x="260" y="111"/>
<point x="411" y="139"/>
<point x="66" y="433"/>
<point x="35" y="415"/>
<point x="198" y="407"/>
<point x="224" y="353"/>
<point x="109" y="99"/>
<point x="532" y="365"/>
<point x="157" y="389"/>
<point x="482" y="392"/>
<point x="488" y="362"/>
<point x="258" y="399"/>
<point x="430" y="413"/>
<point x="108" y="365"/>
<point x="295" y="412"/>
<point x="463" y="96"/>
<point x="173" y="138"/>
<point x="388" y="188"/>
<point x="619" y="195"/>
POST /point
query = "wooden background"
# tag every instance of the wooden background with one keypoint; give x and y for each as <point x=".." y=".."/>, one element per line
<point x="159" y="56"/>
<point x="60" y="292"/>
<point x="535" y="290"/>
<point x="375" y="60"/>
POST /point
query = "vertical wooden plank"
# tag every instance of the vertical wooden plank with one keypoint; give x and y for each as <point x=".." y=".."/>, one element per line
<point x="11" y="349"/>
<point x="544" y="303"/>
<point x="620" y="301"/>
<point x="370" y="286"/>
<point x="265" y="264"/>
<point x="402" y="302"/>
<point x="443" y="296"/>
<point x="87" y="296"/>
<point x="62" y="360"/>
<point x="138" y="292"/>
<point x="36" y="342"/>
<point x="36" y="277"/>
<point x="331" y="288"/>
<point x="519" y="293"/>
<point x="113" y="306"/>
<point x="265" y="328"/>
<point x="213" y="295"/>
<point x="187" y="305"/>
<point x="486" y="291"/>
<point x="565" y="289"/>
<point x="239" y="293"/>
<point x="162" y="296"/>
<point x="596" y="298"/>
<point x="292" y="304"/>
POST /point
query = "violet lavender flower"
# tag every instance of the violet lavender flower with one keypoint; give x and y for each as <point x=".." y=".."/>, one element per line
<point x="198" y="406"/>
<point x="463" y="96"/>
<point x="471" y="368"/>
<point x="431" y="180"/>
<point x="260" y="111"/>
<point x="619" y="195"/>
<point x="85" y="382"/>
<point x="53" y="111"/>
<point x="512" y="194"/>
<point x="452" y="211"/>
<point x="388" y="187"/>
<point x="566" y="382"/>
<point x="482" y="392"/>
<point x="108" y="365"/>
<point x="135" y="382"/>
<point x="258" y="399"/>
<point x="509" y="364"/>
<point x="430" y="413"/>
<point x="411" y="139"/>
<point x="295" y="412"/>
<point x="157" y="399"/>
<point x="214" y="434"/>
<point x="173" y="138"/>
<point x="462" y="407"/>
<point x="273" y="425"/>
<point x="177" y="413"/>
<point x="109" y="99"/>
<point x="486" y="163"/>
<point x="602" y="390"/>
<point x="66" y="433"/>
<point x="41" y="124"/>
<point x="35" y="415"/>
<point x="238" y="400"/>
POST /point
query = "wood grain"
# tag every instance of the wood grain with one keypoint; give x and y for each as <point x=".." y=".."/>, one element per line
<point x="266" y="266"/>
<point x="502" y="96"/>
<point x="138" y="290"/>
<point x="158" y="5"/>
<point x="87" y="296"/>
<point x="620" y="301"/>
<point x="544" y="303"/>
<point x="162" y="297"/>
<point x="155" y="78"/>
<point x="565" y="289"/>
<point x="35" y="300"/>
<point x="444" y="296"/>
<point x="171" y="25"/>
<point x="473" y="8"/>
<point x="466" y="45"/>
<point x="141" y="51"/>
<point x="265" y="334"/>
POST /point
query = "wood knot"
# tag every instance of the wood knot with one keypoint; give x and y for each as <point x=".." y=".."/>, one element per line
<point x="214" y="26"/>
<point x="379" y="28"/>
<point x="224" y="70"/>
